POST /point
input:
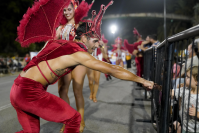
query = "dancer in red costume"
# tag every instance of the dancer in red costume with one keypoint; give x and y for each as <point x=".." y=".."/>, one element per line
<point x="28" y="94"/>
<point x="118" y="49"/>
<point x="105" y="57"/>
<point x="66" y="31"/>
<point x="93" y="78"/>
<point x="133" y="48"/>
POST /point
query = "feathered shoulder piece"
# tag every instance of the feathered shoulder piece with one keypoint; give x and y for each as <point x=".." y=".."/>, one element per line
<point x="135" y="32"/>
<point x="128" y="46"/>
<point x="81" y="11"/>
<point x="39" y="22"/>
<point x="104" y="39"/>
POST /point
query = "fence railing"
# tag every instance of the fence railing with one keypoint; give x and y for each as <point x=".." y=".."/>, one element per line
<point x="173" y="103"/>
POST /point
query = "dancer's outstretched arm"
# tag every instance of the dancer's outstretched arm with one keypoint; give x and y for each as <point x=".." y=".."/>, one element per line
<point x="89" y="61"/>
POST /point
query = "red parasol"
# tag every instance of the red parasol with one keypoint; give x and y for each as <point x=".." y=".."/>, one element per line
<point x="40" y="22"/>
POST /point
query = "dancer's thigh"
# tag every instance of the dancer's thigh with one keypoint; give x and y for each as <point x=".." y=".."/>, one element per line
<point x="117" y="62"/>
<point x="97" y="76"/>
<point x="78" y="74"/>
<point x="43" y="104"/>
<point x="64" y="82"/>
<point x="90" y="75"/>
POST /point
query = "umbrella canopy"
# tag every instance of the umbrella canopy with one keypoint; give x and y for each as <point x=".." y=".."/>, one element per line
<point x="39" y="23"/>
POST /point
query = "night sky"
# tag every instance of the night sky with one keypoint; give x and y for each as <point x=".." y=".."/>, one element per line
<point x="130" y="6"/>
<point x="125" y="26"/>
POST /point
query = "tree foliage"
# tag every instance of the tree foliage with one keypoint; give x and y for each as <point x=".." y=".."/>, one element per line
<point x="11" y="12"/>
<point x="180" y="7"/>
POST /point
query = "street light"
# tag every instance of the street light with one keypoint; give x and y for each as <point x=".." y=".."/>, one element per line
<point x="113" y="29"/>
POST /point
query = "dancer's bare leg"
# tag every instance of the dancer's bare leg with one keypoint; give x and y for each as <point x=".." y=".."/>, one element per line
<point x="121" y="63"/>
<point x="117" y="62"/>
<point x="90" y="75"/>
<point x="96" y="85"/>
<point x="78" y="75"/>
<point x="63" y="87"/>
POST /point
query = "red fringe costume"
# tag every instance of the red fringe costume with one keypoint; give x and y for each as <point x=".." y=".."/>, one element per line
<point x="131" y="48"/>
<point x="29" y="97"/>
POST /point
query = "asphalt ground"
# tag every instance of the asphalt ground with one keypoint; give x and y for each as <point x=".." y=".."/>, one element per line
<point x="115" y="112"/>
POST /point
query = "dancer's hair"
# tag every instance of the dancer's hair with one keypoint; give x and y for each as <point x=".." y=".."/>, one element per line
<point x="72" y="4"/>
<point x="153" y="36"/>
<point x="195" y="73"/>
<point x="196" y="50"/>
<point x="82" y="29"/>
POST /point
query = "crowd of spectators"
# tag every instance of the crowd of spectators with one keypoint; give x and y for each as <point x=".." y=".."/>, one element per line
<point x="185" y="92"/>
<point x="182" y="72"/>
<point x="10" y="65"/>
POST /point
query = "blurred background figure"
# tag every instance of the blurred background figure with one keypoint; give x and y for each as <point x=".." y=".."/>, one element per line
<point x="128" y="60"/>
<point x="118" y="49"/>
<point x="27" y="59"/>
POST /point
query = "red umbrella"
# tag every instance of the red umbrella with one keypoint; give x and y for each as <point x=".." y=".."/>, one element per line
<point x="40" y="22"/>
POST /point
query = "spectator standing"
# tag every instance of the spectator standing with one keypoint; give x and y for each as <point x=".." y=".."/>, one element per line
<point x="27" y="59"/>
<point x="145" y="44"/>
<point x="128" y="60"/>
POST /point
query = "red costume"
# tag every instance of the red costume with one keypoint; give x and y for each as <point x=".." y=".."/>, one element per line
<point x="81" y="11"/>
<point x="118" y="42"/>
<point x="131" y="48"/>
<point x="29" y="97"/>
<point x="138" y="60"/>
<point x="31" y="100"/>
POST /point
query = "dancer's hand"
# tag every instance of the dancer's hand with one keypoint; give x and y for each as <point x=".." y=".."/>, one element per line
<point x="148" y="84"/>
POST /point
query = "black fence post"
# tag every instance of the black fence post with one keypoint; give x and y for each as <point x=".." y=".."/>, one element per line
<point x="164" y="123"/>
<point x="152" y="74"/>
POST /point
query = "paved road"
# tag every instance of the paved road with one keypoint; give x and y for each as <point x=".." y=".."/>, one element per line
<point x="115" y="112"/>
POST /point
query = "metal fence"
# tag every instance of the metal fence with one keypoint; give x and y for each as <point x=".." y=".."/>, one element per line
<point x="175" y="105"/>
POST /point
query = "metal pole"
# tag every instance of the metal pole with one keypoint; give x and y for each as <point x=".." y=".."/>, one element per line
<point x="164" y="124"/>
<point x="165" y="26"/>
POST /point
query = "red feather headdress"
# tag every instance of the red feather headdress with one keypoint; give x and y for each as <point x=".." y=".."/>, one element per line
<point x="135" y="32"/>
<point x="81" y="11"/>
<point x="40" y="22"/>
<point x="118" y="40"/>
<point x="104" y="39"/>
<point x="129" y="47"/>
<point x="95" y="24"/>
